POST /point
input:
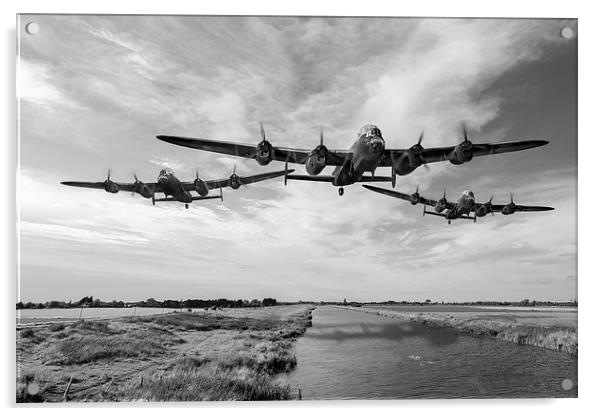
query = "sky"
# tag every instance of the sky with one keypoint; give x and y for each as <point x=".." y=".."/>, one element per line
<point x="95" y="91"/>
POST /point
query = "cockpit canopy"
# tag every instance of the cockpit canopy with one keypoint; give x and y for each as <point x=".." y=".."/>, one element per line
<point x="370" y="130"/>
<point x="468" y="194"/>
<point x="166" y="172"/>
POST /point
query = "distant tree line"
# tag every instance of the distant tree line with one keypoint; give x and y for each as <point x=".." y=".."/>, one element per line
<point x="89" y="301"/>
<point x="524" y="302"/>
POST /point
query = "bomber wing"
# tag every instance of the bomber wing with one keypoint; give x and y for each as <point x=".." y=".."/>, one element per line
<point x="330" y="178"/>
<point x="244" y="180"/>
<point x="121" y="186"/>
<point x="281" y="154"/>
<point x="194" y="198"/>
<point x="439" y="154"/>
<point x="522" y="208"/>
<point x="406" y="197"/>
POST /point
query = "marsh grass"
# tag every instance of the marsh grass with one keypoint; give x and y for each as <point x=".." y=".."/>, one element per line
<point x="200" y="382"/>
<point x="510" y="327"/>
<point x="237" y="361"/>
<point x="199" y="322"/>
<point x="88" y="348"/>
<point x="90" y="341"/>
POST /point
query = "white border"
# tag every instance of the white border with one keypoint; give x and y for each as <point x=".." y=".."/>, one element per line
<point x="590" y="72"/>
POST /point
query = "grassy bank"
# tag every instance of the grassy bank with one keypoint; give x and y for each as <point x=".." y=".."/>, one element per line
<point x="217" y="355"/>
<point x="552" y="332"/>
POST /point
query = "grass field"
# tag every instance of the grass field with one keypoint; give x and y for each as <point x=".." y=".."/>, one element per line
<point x="548" y="328"/>
<point x="217" y="355"/>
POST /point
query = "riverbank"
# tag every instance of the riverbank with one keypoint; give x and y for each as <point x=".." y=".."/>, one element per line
<point x="552" y="332"/>
<point x="217" y="355"/>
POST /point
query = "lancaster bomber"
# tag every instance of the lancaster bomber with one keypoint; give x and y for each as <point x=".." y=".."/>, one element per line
<point x="176" y="190"/>
<point x="461" y="209"/>
<point x="365" y="155"/>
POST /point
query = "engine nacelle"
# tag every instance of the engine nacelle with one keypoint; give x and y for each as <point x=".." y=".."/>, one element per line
<point x="462" y="153"/>
<point x="316" y="162"/>
<point x="451" y="215"/>
<point x="408" y="160"/>
<point x="201" y="187"/>
<point x="263" y="155"/>
<point x="111" y="187"/>
<point x="414" y="198"/>
<point x="509" y="209"/>
<point x="482" y="211"/>
<point x="145" y="191"/>
<point x="440" y="206"/>
<point x="234" y="182"/>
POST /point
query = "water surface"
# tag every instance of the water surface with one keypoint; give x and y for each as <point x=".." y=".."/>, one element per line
<point x="349" y="354"/>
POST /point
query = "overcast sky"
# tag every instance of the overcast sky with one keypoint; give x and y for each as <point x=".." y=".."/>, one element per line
<point x="95" y="91"/>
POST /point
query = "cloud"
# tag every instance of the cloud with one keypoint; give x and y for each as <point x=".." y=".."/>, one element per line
<point x="167" y="162"/>
<point x="37" y="85"/>
<point x="216" y="78"/>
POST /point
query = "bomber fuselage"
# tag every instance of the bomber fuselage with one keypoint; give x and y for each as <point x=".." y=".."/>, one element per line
<point x="172" y="186"/>
<point x="464" y="206"/>
<point x="367" y="152"/>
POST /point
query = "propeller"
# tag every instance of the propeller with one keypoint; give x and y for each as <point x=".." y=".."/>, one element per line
<point x="415" y="197"/>
<point x="466" y="142"/>
<point x="108" y="175"/>
<point x="426" y="166"/>
<point x="197" y="179"/>
<point x="264" y="148"/>
<point x="488" y="204"/>
<point x="262" y="131"/>
<point x="321" y="150"/>
<point x="417" y="150"/>
<point x="136" y="182"/>
<point x="511" y="198"/>
<point x="321" y="135"/>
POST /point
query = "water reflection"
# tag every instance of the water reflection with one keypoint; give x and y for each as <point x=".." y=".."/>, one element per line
<point x="348" y="354"/>
<point x="389" y="331"/>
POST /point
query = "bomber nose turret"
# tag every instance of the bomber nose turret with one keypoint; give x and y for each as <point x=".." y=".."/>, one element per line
<point x="377" y="143"/>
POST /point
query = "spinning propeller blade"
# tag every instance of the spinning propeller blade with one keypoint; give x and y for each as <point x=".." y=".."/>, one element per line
<point x="321" y="135"/>
<point x="464" y="132"/>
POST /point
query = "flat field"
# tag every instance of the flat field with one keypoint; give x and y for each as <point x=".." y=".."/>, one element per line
<point x="553" y="328"/>
<point x="214" y="355"/>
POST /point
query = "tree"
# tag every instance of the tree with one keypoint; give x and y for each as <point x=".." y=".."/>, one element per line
<point x="85" y="301"/>
<point x="269" y="302"/>
<point x="524" y="302"/>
